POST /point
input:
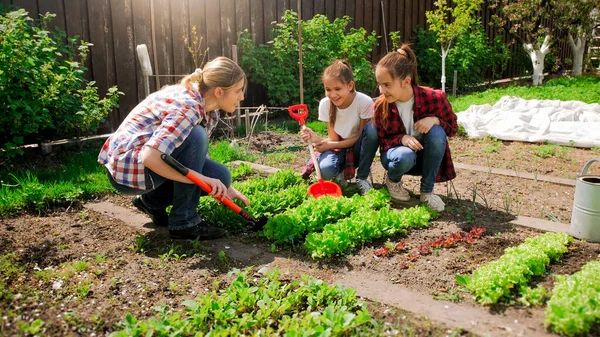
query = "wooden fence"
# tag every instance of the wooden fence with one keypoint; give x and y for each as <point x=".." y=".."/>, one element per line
<point x="116" y="27"/>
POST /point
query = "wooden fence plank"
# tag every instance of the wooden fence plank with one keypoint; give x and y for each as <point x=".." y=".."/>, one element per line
<point x="307" y="10"/>
<point x="198" y="20"/>
<point x="400" y="21"/>
<point x="122" y="22"/>
<point x="359" y="18"/>
<point x="182" y="39"/>
<point x="393" y="18"/>
<point x="376" y="19"/>
<point x="55" y="7"/>
<point x="76" y="18"/>
<point x="270" y="15"/>
<point x="330" y="10"/>
<point x="281" y="6"/>
<point x="407" y="19"/>
<point x="213" y="28"/>
<point x="142" y="34"/>
<point x="256" y="22"/>
<point x="102" y="53"/>
<point x="319" y="7"/>
<point x="340" y="8"/>
<point x="351" y="12"/>
<point x="163" y="35"/>
<point x="242" y="15"/>
<point x="30" y="6"/>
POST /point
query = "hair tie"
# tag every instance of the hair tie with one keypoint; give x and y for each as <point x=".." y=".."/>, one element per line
<point x="401" y="51"/>
<point x="198" y="73"/>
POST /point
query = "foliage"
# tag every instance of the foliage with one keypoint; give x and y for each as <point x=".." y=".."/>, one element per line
<point x="513" y="270"/>
<point x="450" y="21"/>
<point x="224" y="152"/>
<point x="524" y="19"/>
<point x="262" y="306"/>
<point x="472" y="56"/>
<point x="43" y="93"/>
<point x="275" y="65"/>
<point x="575" y="303"/>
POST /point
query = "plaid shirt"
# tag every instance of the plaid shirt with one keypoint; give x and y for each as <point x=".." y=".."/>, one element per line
<point x="428" y="103"/>
<point x="162" y="121"/>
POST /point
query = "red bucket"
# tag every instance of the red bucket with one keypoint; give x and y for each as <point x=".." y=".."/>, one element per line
<point x="322" y="188"/>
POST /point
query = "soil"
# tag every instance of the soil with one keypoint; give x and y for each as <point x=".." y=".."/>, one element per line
<point x="125" y="278"/>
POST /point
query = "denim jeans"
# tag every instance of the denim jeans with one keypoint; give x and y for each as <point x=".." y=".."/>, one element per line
<point x="184" y="197"/>
<point x="332" y="162"/>
<point x="402" y="160"/>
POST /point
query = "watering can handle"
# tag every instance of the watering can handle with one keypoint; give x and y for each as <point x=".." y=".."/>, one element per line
<point x="587" y="166"/>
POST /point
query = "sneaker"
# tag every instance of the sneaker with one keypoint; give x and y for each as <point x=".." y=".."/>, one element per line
<point x="339" y="179"/>
<point x="433" y="201"/>
<point x="397" y="192"/>
<point x="200" y="231"/>
<point x="364" y="186"/>
<point x="159" y="217"/>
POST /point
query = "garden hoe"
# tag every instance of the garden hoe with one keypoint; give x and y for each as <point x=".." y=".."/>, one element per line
<point x="299" y="112"/>
<point x="253" y="224"/>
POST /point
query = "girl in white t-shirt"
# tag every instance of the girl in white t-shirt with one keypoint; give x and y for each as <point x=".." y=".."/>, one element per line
<point x="352" y="138"/>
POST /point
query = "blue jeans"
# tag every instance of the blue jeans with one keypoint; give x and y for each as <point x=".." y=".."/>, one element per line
<point x="402" y="160"/>
<point x="332" y="162"/>
<point x="184" y="197"/>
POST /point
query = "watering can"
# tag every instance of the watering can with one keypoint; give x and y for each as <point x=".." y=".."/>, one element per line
<point x="585" y="220"/>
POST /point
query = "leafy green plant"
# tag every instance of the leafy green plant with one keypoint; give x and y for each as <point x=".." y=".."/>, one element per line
<point x="494" y="147"/>
<point x="43" y="91"/>
<point x="574" y="307"/>
<point x="275" y="64"/>
<point x="513" y="270"/>
<point x="550" y="150"/>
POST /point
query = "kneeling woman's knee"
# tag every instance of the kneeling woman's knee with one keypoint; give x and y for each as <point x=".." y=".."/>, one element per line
<point x="371" y="131"/>
<point x="199" y="136"/>
<point x="437" y="136"/>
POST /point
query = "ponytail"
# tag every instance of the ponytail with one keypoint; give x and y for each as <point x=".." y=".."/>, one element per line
<point x="221" y="72"/>
<point x="401" y="64"/>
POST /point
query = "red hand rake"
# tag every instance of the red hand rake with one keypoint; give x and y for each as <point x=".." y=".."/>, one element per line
<point x="299" y="112"/>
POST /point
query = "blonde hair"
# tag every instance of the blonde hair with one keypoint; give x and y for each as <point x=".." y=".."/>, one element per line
<point x="220" y="72"/>
<point x="341" y="71"/>
<point x="401" y="64"/>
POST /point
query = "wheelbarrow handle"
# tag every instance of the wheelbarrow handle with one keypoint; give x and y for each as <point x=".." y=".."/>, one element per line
<point x="200" y="183"/>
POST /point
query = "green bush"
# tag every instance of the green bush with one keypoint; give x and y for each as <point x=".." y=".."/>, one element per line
<point x="43" y="94"/>
<point x="472" y="55"/>
<point x="275" y="65"/>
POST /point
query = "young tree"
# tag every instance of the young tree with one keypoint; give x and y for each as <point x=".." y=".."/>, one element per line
<point x="577" y="18"/>
<point x="528" y="22"/>
<point x="448" y="22"/>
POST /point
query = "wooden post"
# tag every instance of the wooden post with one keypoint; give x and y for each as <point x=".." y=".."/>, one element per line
<point x="454" y="84"/>
<point x="234" y="54"/>
<point x="247" y="111"/>
<point x="153" y="28"/>
<point x="300" y="49"/>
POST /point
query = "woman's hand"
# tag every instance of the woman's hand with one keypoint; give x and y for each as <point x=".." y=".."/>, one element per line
<point x="324" y="145"/>
<point x="235" y="194"/>
<point x="307" y="133"/>
<point x="412" y="143"/>
<point x="217" y="187"/>
<point x="425" y="124"/>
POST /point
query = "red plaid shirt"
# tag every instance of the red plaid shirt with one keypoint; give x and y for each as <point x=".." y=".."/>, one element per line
<point x="428" y="103"/>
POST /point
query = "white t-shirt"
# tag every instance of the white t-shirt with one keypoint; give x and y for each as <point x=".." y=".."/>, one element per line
<point x="405" y="109"/>
<point x="347" y="121"/>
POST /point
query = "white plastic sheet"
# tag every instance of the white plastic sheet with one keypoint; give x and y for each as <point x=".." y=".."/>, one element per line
<point x="512" y="118"/>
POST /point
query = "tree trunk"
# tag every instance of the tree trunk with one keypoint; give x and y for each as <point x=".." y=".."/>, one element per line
<point x="578" y="50"/>
<point x="444" y="54"/>
<point x="537" y="59"/>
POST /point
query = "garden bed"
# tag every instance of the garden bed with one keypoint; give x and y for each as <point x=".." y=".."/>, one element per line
<point x="83" y="270"/>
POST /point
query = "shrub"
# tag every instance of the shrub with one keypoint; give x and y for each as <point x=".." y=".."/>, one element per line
<point x="472" y="56"/>
<point x="43" y="94"/>
<point x="275" y="65"/>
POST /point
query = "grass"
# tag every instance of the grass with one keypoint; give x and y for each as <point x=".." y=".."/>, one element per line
<point x="584" y="88"/>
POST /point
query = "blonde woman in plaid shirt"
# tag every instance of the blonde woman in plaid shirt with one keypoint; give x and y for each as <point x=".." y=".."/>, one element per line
<point x="176" y="120"/>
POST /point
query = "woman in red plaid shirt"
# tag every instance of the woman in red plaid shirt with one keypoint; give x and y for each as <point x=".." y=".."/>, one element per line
<point x="176" y="120"/>
<point x="413" y="124"/>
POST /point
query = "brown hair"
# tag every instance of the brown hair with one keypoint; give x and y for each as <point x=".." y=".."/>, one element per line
<point x="342" y="71"/>
<point x="220" y="72"/>
<point x="401" y="64"/>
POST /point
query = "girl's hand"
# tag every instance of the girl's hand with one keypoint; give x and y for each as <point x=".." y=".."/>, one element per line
<point x="412" y="143"/>
<point x="323" y="145"/>
<point x="217" y="187"/>
<point x="307" y="133"/>
<point x="235" y="194"/>
<point x="425" y="124"/>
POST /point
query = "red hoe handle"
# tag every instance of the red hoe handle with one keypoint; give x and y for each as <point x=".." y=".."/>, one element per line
<point x="299" y="112"/>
